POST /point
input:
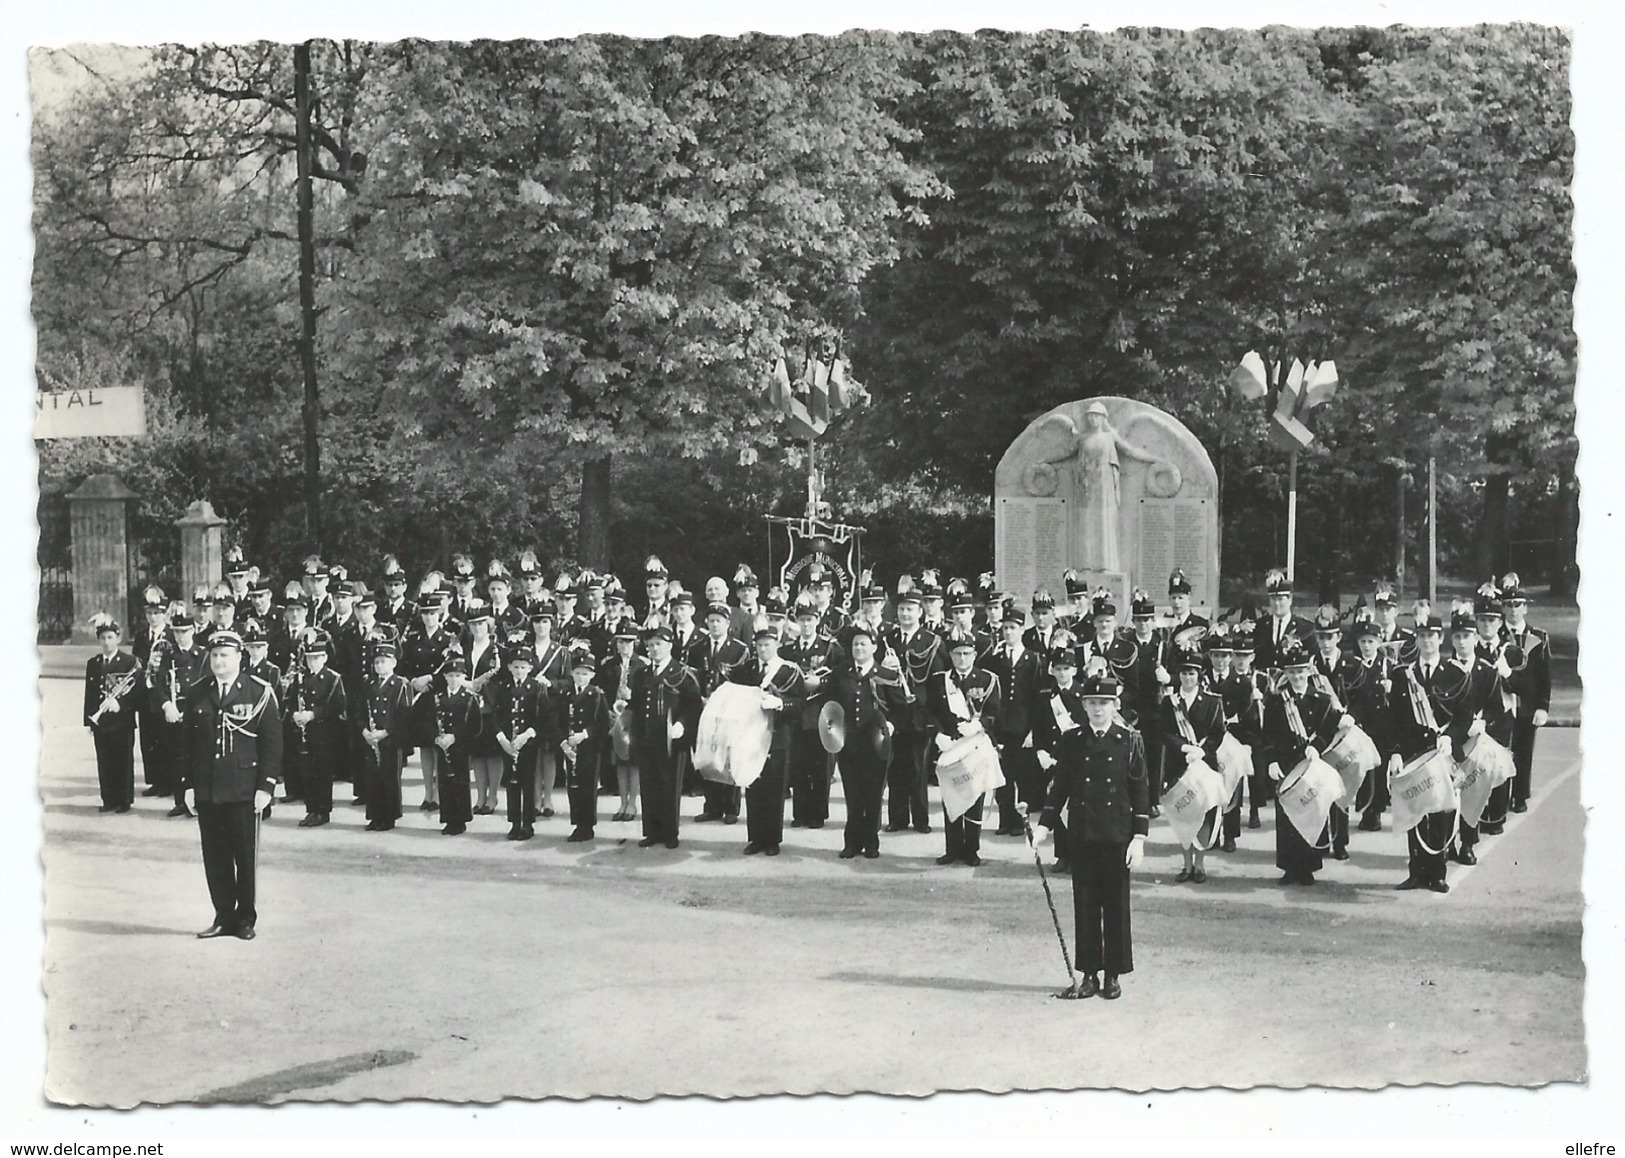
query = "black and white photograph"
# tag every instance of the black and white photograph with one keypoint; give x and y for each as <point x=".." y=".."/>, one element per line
<point x="907" y="557"/>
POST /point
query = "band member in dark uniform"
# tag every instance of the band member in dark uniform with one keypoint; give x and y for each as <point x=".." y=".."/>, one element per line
<point x="1179" y="595"/>
<point x="712" y="656"/>
<point x="456" y="715"/>
<point x="783" y="693"/>
<point x="188" y="663"/>
<point x="1364" y="682"/>
<point x="869" y="695"/>
<point x="615" y="677"/>
<point x="1021" y="672"/>
<point x="1102" y="784"/>
<point x="1146" y="684"/>
<point x="1299" y="721"/>
<point x="1192" y="725"/>
<point x="1243" y="716"/>
<point x="235" y="735"/>
<point x="1492" y="648"/>
<point x="386" y="729"/>
<point x="113" y="692"/>
<point x="1328" y="656"/>
<point x="1414" y="729"/>
<point x="152" y="641"/>
<point x="583" y="715"/>
<point x="1530" y="684"/>
<point x="524" y="721"/>
<point x="810" y="770"/>
<point x="1280" y="623"/>
<point x="665" y="712"/>
<point x="1467" y="700"/>
<point x="916" y="654"/>
<point x="1250" y="729"/>
<point x="960" y="700"/>
<point x="426" y="651"/>
<point x="321" y="724"/>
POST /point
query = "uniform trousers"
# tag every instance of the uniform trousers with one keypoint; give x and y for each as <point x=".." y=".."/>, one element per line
<point x="383" y="783"/>
<point x="456" y="802"/>
<point x="964" y="836"/>
<point x="906" y="801"/>
<point x="809" y="778"/>
<point x="429" y="758"/>
<point x="1232" y="814"/>
<point x="660" y="781"/>
<point x="1495" y="808"/>
<point x="228" y="833"/>
<point x="115" y="766"/>
<point x="1100" y="905"/>
<point x="153" y="751"/>
<point x="176" y="759"/>
<point x="322" y="744"/>
<point x="360" y="759"/>
<point x="1337" y="826"/>
<point x="519" y="778"/>
<point x="863" y="779"/>
<point x="764" y="799"/>
<point x="1427" y="843"/>
<point x="1523" y="759"/>
<point x="720" y="799"/>
<point x="581" y="786"/>
<point x="294" y="760"/>
<point x="1021" y="783"/>
<point x="1260" y="788"/>
<point x="1293" y="854"/>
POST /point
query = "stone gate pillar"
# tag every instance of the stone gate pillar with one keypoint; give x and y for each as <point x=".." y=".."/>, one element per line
<point x="200" y="546"/>
<point x="99" y="513"/>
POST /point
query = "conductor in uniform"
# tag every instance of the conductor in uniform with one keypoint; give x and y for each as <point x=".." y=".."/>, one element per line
<point x="234" y="729"/>
<point x="1102" y="781"/>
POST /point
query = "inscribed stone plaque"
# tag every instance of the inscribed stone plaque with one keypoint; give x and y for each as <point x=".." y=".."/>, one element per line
<point x="1031" y="544"/>
<point x="1177" y="533"/>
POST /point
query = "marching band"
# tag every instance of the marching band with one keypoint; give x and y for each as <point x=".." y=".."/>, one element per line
<point x="959" y="686"/>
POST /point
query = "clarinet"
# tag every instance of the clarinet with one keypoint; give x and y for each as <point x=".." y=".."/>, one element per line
<point x="372" y="726"/>
<point x="300" y="705"/>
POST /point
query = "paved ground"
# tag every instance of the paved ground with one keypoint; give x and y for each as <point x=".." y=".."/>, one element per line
<point x="409" y="964"/>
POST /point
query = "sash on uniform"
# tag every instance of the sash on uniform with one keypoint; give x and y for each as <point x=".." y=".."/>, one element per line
<point x="734" y="735"/>
<point x="1188" y="802"/>
<point x="1422" y="787"/>
<point x="1307" y="796"/>
<point x="1064" y="722"/>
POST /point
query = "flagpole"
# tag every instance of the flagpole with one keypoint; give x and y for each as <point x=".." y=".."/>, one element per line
<point x="1292" y="518"/>
<point x="1433" y="533"/>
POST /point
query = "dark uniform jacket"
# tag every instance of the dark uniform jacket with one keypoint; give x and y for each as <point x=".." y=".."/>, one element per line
<point x="869" y="700"/>
<point x="458" y="716"/>
<point x="103" y="675"/>
<point x="1243" y="715"/>
<point x="1530" y="682"/>
<point x="1141" y="691"/>
<point x="712" y="661"/>
<point x="660" y="699"/>
<point x="1101" y="782"/>
<point x="1019" y="684"/>
<point x="787" y="683"/>
<point x="387" y="705"/>
<point x="1282" y="745"/>
<point x="585" y="711"/>
<point x="920" y="657"/>
<point x="321" y="693"/>
<point x="820" y="656"/>
<point x="1463" y="692"/>
<point x="1206" y="719"/>
<point x="235" y="742"/>
<point x="1264" y="639"/>
<point x="981" y="691"/>
<point x="1365" y="690"/>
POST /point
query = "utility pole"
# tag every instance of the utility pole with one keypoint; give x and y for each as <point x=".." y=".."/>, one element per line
<point x="311" y="410"/>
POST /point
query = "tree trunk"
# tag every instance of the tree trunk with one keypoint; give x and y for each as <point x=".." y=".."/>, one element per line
<point x="592" y="515"/>
<point x="1491" y="548"/>
<point x="310" y="412"/>
<point x="1401" y="481"/>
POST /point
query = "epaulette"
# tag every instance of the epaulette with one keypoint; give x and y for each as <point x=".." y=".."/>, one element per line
<point x="259" y="680"/>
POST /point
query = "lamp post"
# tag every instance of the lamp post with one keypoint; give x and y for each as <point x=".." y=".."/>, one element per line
<point x="1290" y="393"/>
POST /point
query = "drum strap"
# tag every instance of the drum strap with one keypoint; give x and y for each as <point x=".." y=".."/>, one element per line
<point x="1455" y="828"/>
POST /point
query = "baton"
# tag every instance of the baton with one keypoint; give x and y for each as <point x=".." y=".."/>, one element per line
<point x="1071" y="989"/>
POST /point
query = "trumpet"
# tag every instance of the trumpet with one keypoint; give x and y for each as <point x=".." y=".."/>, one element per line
<point x="116" y="692"/>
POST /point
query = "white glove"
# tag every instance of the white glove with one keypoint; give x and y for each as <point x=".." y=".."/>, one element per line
<point x="1136" y="852"/>
<point x="1162" y="675"/>
<point x="421" y="683"/>
<point x="891" y="661"/>
<point x="505" y="744"/>
<point x="1193" y="753"/>
<point x="1275" y="771"/>
<point x="1476" y="728"/>
<point x="1386" y="685"/>
<point x="109" y="705"/>
<point x="1443" y="744"/>
<point x="1311" y="753"/>
<point x="1046" y="761"/>
<point x="1028" y="742"/>
<point x="373" y="735"/>
<point x="1394" y="764"/>
<point x="262" y="800"/>
<point x="677" y="731"/>
<point x="578" y="738"/>
<point x="1502" y="668"/>
<point x="943" y="741"/>
<point x="544" y="681"/>
<point x="771" y="702"/>
<point x="1346" y="722"/>
<point x="814" y="683"/>
<point x="1041" y="834"/>
<point x="1540" y="718"/>
<point x="524" y="738"/>
<point x="1257" y="695"/>
<point x="444" y="741"/>
<point x="303" y="717"/>
<point x="171" y="713"/>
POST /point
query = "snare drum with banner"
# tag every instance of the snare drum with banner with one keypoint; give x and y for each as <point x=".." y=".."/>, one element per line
<point x="966" y="769"/>
<point x="734" y="736"/>
<point x="1307" y="794"/>
<point x="1186" y="804"/>
<point x="1235" y="763"/>
<point x="1484" y="751"/>
<point x="1352" y="755"/>
<point x="1423" y="787"/>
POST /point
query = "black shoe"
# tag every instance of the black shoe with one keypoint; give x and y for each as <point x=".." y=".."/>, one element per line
<point x="1340" y="854"/>
<point x="1371" y="822"/>
<point x="309" y="820"/>
<point x="424" y="807"/>
<point x="771" y="850"/>
<point x="454" y="829"/>
<point x="245" y="933"/>
<point x="1088" y="986"/>
<point x="548" y="814"/>
<point x="707" y="817"/>
<point x="433" y="807"/>
<point x="527" y="833"/>
<point x="648" y="842"/>
<point x="947" y="858"/>
<point x="1156" y="811"/>
<point x="1410" y="883"/>
<point x="1307" y="879"/>
<point x="106" y="808"/>
<point x="871" y="854"/>
<point x="848" y="853"/>
<point x="922" y="828"/>
<point x="795" y="824"/>
<point x="179" y="810"/>
<point x="1493" y="828"/>
<point x="1288" y="879"/>
<point x="578" y="836"/>
<point x="1061" y="867"/>
<point x="513" y="833"/>
<point x="1111" y="990"/>
<point x="121" y="809"/>
<point x="1229" y="844"/>
<point x="1440" y="887"/>
<point x="1464" y="856"/>
<point x="752" y="848"/>
<point x="215" y="930"/>
<point x="1252" y="818"/>
<point x="815" y="824"/>
<point x="372" y="826"/>
<point x="285" y="799"/>
<point x="972" y="860"/>
<point x="733" y="819"/>
<point x="889" y="827"/>
<point x="1520" y="806"/>
<point x="154" y="790"/>
<point x="672" y="843"/>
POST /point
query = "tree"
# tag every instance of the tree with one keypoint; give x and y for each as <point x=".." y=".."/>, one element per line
<point x="587" y="248"/>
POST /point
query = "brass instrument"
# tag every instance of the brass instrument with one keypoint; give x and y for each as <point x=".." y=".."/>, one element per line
<point x="620" y="733"/>
<point x="300" y="706"/>
<point x="115" y="691"/>
<point x="372" y="726"/>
